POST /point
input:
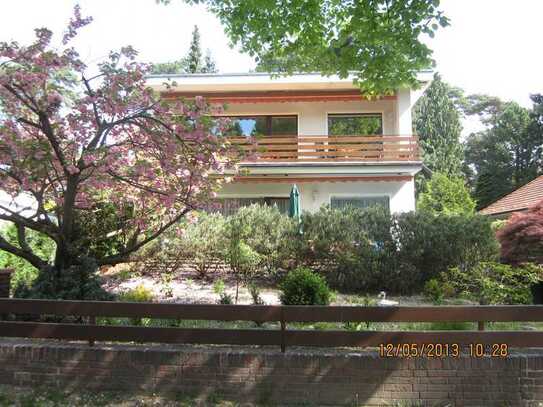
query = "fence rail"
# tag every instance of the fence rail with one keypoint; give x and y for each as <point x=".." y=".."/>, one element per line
<point x="331" y="148"/>
<point x="261" y="313"/>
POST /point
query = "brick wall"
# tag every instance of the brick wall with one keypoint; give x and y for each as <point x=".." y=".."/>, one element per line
<point x="268" y="377"/>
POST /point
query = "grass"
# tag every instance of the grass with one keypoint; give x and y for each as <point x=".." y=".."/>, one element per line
<point x="46" y="397"/>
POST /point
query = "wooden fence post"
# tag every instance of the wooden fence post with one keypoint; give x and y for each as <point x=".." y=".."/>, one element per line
<point x="283" y="328"/>
<point x="92" y="321"/>
<point x="481" y="325"/>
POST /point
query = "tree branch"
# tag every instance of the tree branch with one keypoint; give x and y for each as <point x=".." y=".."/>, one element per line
<point x="123" y="255"/>
<point x="36" y="261"/>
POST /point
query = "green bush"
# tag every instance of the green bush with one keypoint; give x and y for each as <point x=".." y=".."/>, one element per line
<point x="437" y="290"/>
<point x="304" y="287"/>
<point x="25" y="273"/>
<point x="79" y="282"/>
<point x="428" y="245"/>
<point x="137" y="294"/>
<point x="266" y="231"/>
<point x="445" y="195"/>
<point x="351" y="247"/>
<point x="203" y="242"/>
<point x="370" y="250"/>
<point x="495" y="283"/>
<point x="220" y="289"/>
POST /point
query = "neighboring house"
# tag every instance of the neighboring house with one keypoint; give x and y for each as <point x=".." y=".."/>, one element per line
<point x="517" y="201"/>
<point x="317" y="132"/>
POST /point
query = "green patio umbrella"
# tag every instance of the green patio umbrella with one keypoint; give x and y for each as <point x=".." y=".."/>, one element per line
<point x="295" y="207"/>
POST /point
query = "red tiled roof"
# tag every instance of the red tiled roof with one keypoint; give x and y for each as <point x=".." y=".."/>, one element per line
<point x="518" y="200"/>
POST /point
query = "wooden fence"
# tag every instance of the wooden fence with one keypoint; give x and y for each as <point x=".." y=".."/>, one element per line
<point x="283" y="336"/>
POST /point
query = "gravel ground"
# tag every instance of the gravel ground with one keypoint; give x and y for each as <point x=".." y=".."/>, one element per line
<point x="187" y="288"/>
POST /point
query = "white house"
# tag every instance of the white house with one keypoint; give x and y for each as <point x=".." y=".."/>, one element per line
<point x="317" y="132"/>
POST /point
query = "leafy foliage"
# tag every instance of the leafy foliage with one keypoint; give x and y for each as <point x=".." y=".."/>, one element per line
<point x="446" y="195"/>
<point x="303" y="287"/>
<point x="380" y="41"/>
<point x="437" y="123"/>
<point x="138" y="294"/>
<point x="24" y="272"/>
<point x="495" y="283"/>
<point x="429" y="245"/>
<point x="509" y="152"/>
<point x="265" y="230"/>
<point x="224" y="297"/>
<point x="202" y="242"/>
<point x="370" y="250"/>
<point x="78" y="282"/>
<point x="350" y="247"/>
<point x="521" y="238"/>
<point x="243" y="260"/>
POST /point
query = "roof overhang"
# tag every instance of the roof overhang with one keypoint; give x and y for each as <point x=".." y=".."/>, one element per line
<point x="340" y="169"/>
<point x="190" y="83"/>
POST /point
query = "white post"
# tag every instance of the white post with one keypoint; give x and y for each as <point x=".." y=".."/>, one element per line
<point x="405" y="127"/>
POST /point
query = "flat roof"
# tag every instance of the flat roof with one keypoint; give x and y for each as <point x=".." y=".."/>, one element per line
<point x="257" y="81"/>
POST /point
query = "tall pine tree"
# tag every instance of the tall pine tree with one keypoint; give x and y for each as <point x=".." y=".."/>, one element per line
<point x="509" y="152"/>
<point x="193" y="62"/>
<point x="437" y="123"/>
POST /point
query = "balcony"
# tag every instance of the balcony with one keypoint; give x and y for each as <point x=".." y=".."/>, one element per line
<point x="330" y="149"/>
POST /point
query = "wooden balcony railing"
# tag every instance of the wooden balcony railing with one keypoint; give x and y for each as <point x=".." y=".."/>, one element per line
<point x="330" y="148"/>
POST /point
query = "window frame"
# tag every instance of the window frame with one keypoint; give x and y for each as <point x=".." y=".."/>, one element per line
<point x="268" y="121"/>
<point x="356" y="114"/>
<point x="361" y="197"/>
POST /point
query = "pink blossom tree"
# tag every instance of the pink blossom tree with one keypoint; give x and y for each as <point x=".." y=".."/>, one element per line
<point x="72" y="141"/>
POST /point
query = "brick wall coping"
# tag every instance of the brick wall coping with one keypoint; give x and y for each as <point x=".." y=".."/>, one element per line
<point x="268" y="377"/>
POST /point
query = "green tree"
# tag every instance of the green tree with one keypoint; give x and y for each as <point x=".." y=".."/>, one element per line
<point x="509" y="152"/>
<point x="381" y="41"/>
<point x="193" y="62"/>
<point x="437" y="123"/>
<point x="446" y="195"/>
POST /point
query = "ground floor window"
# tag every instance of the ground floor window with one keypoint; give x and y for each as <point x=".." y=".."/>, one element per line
<point x="229" y="206"/>
<point x="360" y="202"/>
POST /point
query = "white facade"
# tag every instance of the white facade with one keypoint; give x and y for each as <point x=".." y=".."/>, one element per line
<point x="318" y="182"/>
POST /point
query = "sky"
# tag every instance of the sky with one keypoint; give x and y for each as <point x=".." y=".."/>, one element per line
<point x="492" y="46"/>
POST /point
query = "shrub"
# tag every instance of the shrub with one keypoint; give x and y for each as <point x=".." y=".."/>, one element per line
<point x="437" y="290"/>
<point x="243" y="260"/>
<point x="303" y="287"/>
<point x="79" y="282"/>
<point x="370" y="250"/>
<point x="429" y="245"/>
<point x="495" y="283"/>
<point x="351" y="247"/>
<point x="446" y="195"/>
<point x="219" y="289"/>
<point x="522" y="237"/>
<point x="203" y="242"/>
<point x="200" y="245"/>
<point x="254" y="291"/>
<point x="138" y="294"/>
<point x="266" y="231"/>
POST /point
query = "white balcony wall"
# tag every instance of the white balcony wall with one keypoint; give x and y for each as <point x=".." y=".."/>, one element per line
<point x="316" y="194"/>
<point x="312" y="116"/>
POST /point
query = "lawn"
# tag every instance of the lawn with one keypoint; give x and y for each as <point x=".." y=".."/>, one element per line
<point x="46" y="397"/>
